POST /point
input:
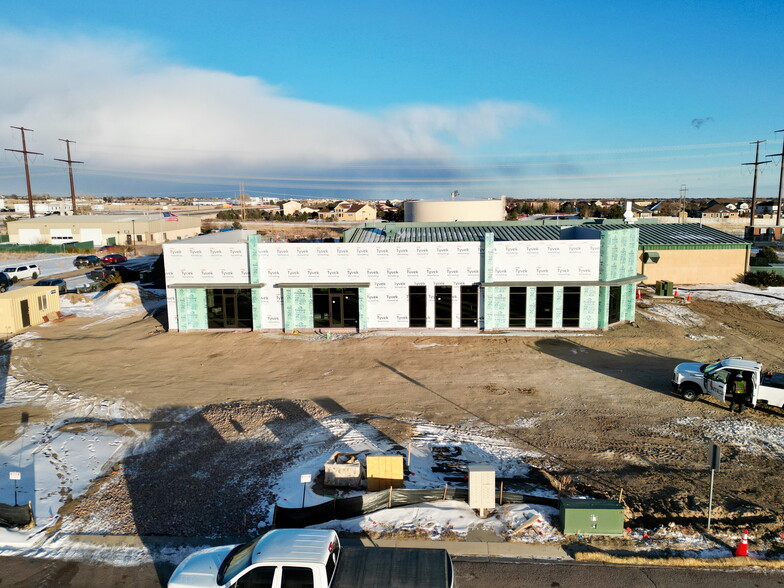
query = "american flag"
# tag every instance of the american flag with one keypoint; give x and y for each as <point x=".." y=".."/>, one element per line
<point x="170" y="216"/>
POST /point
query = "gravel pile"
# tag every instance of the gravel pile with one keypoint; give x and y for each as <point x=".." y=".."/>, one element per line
<point x="209" y="475"/>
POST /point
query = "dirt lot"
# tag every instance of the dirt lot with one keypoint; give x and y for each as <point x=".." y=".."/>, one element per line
<point x="602" y="405"/>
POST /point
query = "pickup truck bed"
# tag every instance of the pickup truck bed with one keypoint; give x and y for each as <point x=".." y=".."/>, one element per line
<point x="385" y="567"/>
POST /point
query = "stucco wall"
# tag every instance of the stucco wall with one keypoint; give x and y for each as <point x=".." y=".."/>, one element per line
<point x="695" y="266"/>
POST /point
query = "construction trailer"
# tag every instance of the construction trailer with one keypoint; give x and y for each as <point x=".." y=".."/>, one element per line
<point x="27" y="307"/>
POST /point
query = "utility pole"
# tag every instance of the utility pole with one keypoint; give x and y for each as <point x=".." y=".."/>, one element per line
<point x="781" y="179"/>
<point x="69" y="161"/>
<point x="243" y="200"/>
<point x="682" y="207"/>
<point x="756" y="163"/>
<point x="25" y="152"/>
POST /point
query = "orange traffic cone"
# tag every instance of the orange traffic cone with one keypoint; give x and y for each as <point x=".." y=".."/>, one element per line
<point x="675" y="294"/>
<point x="743" y="546"/>
<point x="688" y="297"/>
<point x="639" y="294"/>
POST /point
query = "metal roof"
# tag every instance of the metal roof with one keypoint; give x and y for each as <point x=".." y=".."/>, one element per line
<point x="444" y="232"/>
<point x="678" y="234"/>
<point x="650" y="233"/>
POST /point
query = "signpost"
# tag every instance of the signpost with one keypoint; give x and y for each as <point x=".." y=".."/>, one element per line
<point x="15" y="476"/>
<point x="715" y="459"/>
<point x="304" y="480"/>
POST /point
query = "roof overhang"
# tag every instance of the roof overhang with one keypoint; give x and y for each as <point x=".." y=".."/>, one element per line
<point x="619" y="282"/>
<point x="324" y="285"/>
<point x="214" y="285"/>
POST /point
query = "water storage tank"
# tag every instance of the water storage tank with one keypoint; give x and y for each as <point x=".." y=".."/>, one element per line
<point x="429" y="211"/>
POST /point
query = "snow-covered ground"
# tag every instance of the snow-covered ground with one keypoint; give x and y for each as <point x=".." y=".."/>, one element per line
<point x="769" y="299"/>
<point x="59" y="459"/>
<point x="49" y="264"/>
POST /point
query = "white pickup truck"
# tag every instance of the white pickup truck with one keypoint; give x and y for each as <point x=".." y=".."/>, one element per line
<point x="692" y="379"/>
<point x="305" y="558"/>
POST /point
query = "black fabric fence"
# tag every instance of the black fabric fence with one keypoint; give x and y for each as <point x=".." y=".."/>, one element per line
<point x="347" y="508"/>
<point x="15" y="516"/>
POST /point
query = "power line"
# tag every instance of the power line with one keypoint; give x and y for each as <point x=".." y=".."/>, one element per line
<point x="682" y="206"/>
<point x="24" y="152"/>
<point x="69" y="161"/>
<point x="781" y="179"/>
<point x="756" y="163"/>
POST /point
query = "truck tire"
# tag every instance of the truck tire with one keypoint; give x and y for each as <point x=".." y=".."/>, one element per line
<point x="690" y="392"/>
<point x="35" y="275"/>
<point x="14" y="279"/>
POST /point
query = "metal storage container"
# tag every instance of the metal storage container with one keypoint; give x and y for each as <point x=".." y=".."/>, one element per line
<point x="591" y="516"/>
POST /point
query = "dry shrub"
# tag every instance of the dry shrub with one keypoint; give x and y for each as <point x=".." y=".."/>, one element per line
<point x="690" y="562"/>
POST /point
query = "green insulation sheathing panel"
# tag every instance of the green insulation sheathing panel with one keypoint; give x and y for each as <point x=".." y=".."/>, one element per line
<point x="589" y="307"/>
<point x="297" y="308"/>
<point x="496" y="307"/>
<point x="191" y="309"/>
<point x="558" y="307"/>
<point x="618" y="257"/>
<point x="530" y="311"/>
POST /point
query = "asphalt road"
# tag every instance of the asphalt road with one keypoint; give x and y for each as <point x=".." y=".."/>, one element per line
<point x="482" y="573"/>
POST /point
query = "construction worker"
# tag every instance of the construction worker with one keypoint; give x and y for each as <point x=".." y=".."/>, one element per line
<point x="739" y="392"/>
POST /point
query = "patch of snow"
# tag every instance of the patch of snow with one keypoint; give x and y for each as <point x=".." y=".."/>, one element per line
<point x="769" y="299"/>
<point x="673" y="313"/>
<point x="750" y="436"/>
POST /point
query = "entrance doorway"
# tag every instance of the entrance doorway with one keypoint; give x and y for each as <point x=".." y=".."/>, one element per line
<point x="417" y="306"/>
<point x="614" y="314"/>
<point x="469" y="306"/>
<point x="544" y="306"/>
<point x="229" y="308"/>
<point x="335" y="308"/>
<point x="444" y="306"/>
<point x="24" y="306"/>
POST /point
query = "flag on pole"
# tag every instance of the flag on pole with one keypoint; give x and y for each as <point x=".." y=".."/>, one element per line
<point x="170" y="216"/>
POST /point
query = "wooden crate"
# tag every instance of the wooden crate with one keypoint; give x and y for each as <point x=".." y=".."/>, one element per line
<point x="384" y="471"/>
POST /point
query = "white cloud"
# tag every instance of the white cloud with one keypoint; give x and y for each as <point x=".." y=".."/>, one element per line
<point x="129" y="110"/>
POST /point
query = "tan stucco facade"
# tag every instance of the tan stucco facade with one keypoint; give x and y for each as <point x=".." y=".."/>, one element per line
<point x="695" y="266"/>
<point x="142" y="229"/>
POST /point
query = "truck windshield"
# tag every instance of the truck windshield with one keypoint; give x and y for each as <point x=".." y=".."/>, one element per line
<point x="238" y="559"/>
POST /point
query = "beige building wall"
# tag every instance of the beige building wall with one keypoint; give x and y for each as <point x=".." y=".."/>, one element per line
<point x="99" y="228"/>
<point x="695" y="266"/>
<point x="41" y="301"/>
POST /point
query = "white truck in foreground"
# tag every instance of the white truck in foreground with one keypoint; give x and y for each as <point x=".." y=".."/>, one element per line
<point x="305" y="558"/>
<point x="691" y="380"/>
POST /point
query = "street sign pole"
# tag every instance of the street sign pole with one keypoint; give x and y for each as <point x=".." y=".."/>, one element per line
<point x="710" y="500"/>
<point x="305" y="480"/>
<point x="715" y="461"/>
<point x="15" y="476"/>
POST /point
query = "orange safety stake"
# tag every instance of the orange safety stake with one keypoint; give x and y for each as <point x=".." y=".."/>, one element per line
<point x="743" y="546"/>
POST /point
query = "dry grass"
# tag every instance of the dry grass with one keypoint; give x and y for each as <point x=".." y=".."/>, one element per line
<point x="687" y="562"/>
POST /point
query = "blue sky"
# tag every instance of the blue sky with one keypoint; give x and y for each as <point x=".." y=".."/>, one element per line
<point x="398" y="100"/>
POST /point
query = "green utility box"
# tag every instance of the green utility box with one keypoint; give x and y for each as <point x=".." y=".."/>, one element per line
<point x="591" y="516"/>
<point x="664" y="288"/>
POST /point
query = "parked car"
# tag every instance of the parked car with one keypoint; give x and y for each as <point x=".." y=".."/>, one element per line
<point x="59" y="283"/>
<point x="20" y="272"/>
<point x="101" y="273"/>
<point x="5" y="282"/>
<point x="87" y="261"/>
<point x="113" y="258"/>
